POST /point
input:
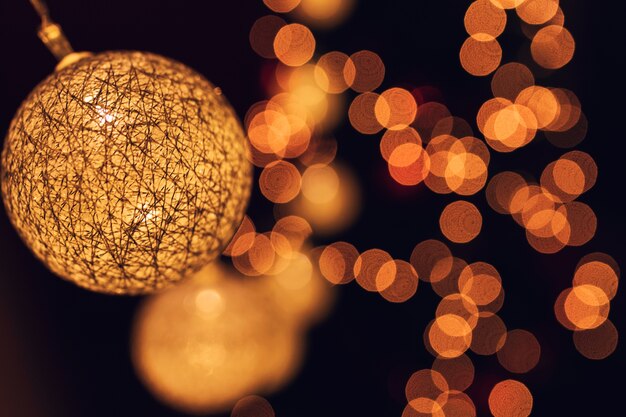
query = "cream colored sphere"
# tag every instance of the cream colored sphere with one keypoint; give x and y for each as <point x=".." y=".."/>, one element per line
<point x="204" y="344"/>
<point x="125" y="171"/>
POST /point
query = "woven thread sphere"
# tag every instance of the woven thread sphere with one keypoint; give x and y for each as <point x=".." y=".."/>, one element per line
<point x="125" y="171"/>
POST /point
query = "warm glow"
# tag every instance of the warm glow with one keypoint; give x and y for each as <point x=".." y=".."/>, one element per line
<point x="520" y="353"/>
<point x="252" y="406"/>
<point x="320" y="184"/>
<point x="395" y="109"/>
<point x="458" y="372"/>
<point x="396" y="281"/>
<point x="367" y="266"/>
<point x="362" y="114"/>
<point x="586" y="306"/>
<point x="428" y="115"/>
<point x="242" y="240"/>
<point x="481" y="283"/>
<point x="599" y="274"/>
<point x="510" y="398"/>
<point x="484" y="21"/>
<point x="510" y="79"/>
<point x="489" y="334"/>
<point x="280" y="182"/>
<point x="152" y="188"/>
<point x="425" y="389"/>
<point x="394" y="138"/>
<point x="553" y="47"/>
<point x="432" y="260"/>
<point x="598" y="343"/>
<point x="480" y="57"/>
<point x="537" y="12"/>
<point x="408" y="164"/>
<point x="364" y="71"/>
<point x="328" y="215"/>
<point x="263" y="33"/>
<point x="281" y="6"/>
<point x="460" y="222"/>
<point x="337" y="262"/>
<point x="459" y="305"/>
<point x="294" y="45"/>
<point x="329" y="72"/>
<point x="204" y="344"/>
<point x="450" y="336"/>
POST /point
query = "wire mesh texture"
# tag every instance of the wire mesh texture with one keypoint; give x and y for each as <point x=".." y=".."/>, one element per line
<point x="125" y="171"/>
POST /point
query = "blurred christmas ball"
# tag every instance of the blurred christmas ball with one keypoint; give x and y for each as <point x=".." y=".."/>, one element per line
<point x="204" y="344"/>
<point x="125" y="171"/>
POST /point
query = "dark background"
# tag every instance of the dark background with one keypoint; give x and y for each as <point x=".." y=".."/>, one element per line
<point x="64" y="351"/>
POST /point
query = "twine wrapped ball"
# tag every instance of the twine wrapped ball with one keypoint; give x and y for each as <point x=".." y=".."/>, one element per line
<point x="125" y="171"/>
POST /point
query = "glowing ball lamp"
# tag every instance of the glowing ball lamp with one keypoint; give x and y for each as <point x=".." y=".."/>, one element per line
<point x="125" y="171"/>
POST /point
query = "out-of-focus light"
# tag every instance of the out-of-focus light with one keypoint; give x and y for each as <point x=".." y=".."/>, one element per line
<point x="394" y="138"/>
<point x="263" y="33"/>
<point x="211" y="340"/>
<point x="449" y="283"/>
<point x="598" y="343"/>
<point x="320" y="183"/>
<point x="337" y="262"/>
<point x="507" y="4"/>
<point x="484" y="21"/>
<point x="489" y="335"/>
<point x="537" y="12"/>
<point x="280" y="182"/>
<point x="281" y="6"/>
<point x="328" y="216"/>
<point x="294" y="45"/>
<point x="459" y="305"/>
<point x="242" y="240"/>
<point x="252" y="406"/>
<point x="362" y="114"/>
<point x="324" y="13"/>
<point x="458" y="372"/>
<point x="510" y="79"/>
<point x="460" y="221"/>
<point x="458" y="404"/>
<point x="426" y="384"/>
<point x="587" y="306"/>
<point x="365" y="71"/>
<point x="395" y="109"/>
<point x="329" y="72"/>
<point x="432" y="260"/>
<point x="542" y="102"/>
<point x="367" y="266"/>
<point x="449" y="336"/>
<point x="428" y="115"/>
<point x="520" y="353"/>
<point x="409" y="164"/>
<point x="531" y="30"/>
<point x="396" y="281"/>
<point x="598" y="273"/>
<point x="510" y="398"/>
<point x="480" y="57"/>
<point x="480" y="282"/>
<point x="553" y="47"/>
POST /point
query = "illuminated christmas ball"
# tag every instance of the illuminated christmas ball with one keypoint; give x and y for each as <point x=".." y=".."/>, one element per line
<point x="204" y="344"/>
<point x="125" y="171"/>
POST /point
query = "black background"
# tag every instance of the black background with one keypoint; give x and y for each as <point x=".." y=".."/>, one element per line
<point x="64" y="351"/>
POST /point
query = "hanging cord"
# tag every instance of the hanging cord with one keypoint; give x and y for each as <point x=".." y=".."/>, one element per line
<point x="50" y="32"/>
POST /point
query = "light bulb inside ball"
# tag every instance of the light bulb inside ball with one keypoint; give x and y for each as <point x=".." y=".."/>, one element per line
<point x="125" y="171"/>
